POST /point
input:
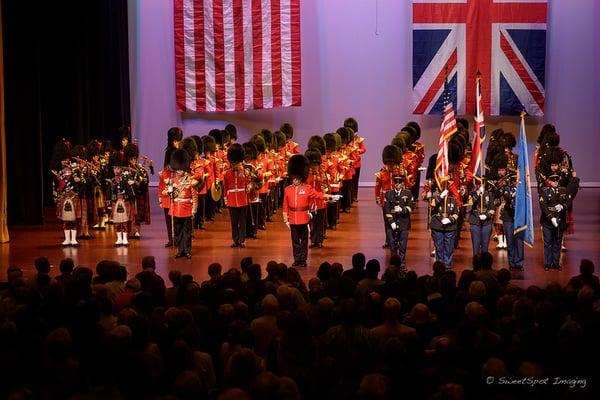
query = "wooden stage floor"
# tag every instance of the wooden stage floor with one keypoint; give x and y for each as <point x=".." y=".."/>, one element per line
<point x="359" y="231"/>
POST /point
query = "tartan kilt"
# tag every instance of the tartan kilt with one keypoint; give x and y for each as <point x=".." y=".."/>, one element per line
<point x="121" y="211"/>
<point x="77" y="205"/>
<point x="142" y="208"/>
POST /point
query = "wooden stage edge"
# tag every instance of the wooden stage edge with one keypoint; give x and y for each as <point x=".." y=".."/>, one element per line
<point x="361" y="230"/>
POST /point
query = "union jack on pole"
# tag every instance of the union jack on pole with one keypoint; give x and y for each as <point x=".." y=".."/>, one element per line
<point x="447" y="129"/>
<point x="505" y="40"/>
<point x="479" y="132"/>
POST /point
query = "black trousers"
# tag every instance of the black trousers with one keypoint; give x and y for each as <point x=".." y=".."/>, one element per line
<point x="263" y="209"/>
<point x="347" y="193"/>
<point x="332" y="214"/>
<point x="317" y="227"/>
<point x="169" y="224"/>
<point x="199" y="217"/>
<point x="415" y="189"/>
<point x="183" y="233"/>
<point x="210" y="207"/>
<point x="299" y="242"/>
<point x="355" y="179"/>
<point x="238" y="223"/>
<point x="252" y="219"/>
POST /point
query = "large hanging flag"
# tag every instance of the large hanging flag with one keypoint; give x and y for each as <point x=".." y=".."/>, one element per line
<point x="523" y="207"/>
<point x="236" y="55"/>
<point x="479" y="136"/>
<point x="447" y="129"/>
<point x="505" y="40"/>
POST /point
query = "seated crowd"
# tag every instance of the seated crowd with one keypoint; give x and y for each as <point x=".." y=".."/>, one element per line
<point x="263" y="333"/>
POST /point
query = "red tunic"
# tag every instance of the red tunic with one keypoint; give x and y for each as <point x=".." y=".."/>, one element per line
<point x="199" y="169"/>
<point x="163" y="198"/>
<point x="183" y="204"/>
<point x="317" y="180"/>
<point x="235" y="185"/>
<point x="360" y="143"/>
<point x="296" y="203"/>
<point x="383" y="181"/>
<point x="333" y="172"/>
<point x="265" y="168"/>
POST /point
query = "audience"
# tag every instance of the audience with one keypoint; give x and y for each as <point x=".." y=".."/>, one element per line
<point x="345" y="335"/>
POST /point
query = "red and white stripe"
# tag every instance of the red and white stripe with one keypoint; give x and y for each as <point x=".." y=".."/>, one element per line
<point x="447" y="129"/>
<point x="479" y="129"/>
<point x="236" y="55"/>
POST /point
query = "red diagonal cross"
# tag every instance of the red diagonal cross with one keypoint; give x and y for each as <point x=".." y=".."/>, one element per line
<point x="479" y="15"/>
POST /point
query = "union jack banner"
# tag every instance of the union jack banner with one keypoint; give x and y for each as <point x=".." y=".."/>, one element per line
<point x="479" y="136"/>
<point x="236" y="55"/>
<point x="503" y="39"/>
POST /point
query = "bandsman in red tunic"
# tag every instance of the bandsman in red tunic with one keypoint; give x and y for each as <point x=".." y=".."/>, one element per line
<point x="251" y="166"/>
<point x="200" y="170"/>
<point x="359" y="145"/>
<point x="236" y="185"/>
<point x="318" y="181"/>
<point x="297" y="199"/>
<point x="164" y="199"/>
<point x="181" y="190"/>
<point x="291" y="146"/>
<point x="334" y="178"/>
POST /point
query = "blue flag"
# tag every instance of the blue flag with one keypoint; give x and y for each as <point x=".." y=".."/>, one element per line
<point x="523" y="207"/>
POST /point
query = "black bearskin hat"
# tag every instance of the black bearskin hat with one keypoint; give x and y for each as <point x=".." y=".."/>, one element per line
<point x="259" y="142"/>
<point x="125" y="132"/>
<point x="79" y="151"/>
<point x="235" y="153"/>
<point x="288" y="130"/>
<point x="351" y="123"/>
<point x="554" y="155"/>
<point x="199" y="143"/>
<point x="417" y="129"/>
<point x="189" y="144"/>
<point x="209" y="144"/>
<point x="460" y="140"/>
<point x="548" y="128"/>
<point x="509" y="140"/>
<point x="280" y="139"/>
<point x="180" y="160"/>
<point x="131" y="151"/>
<point x="399" y="142"/>
<point x="316" y="142"/>
<point x="501" y="161"/>
<point x="391" y="155"/>
<point x="455" y="152"/>
<point x="344" y="134"/>
<point x="174" y="134"/>
<point x="329" y="140"/>
<point x="250" y="152"/>
<point x="338" y="140"/>
<point x="94" y="148"/>
<point x="224" y="134"/>
<point x="314" y="156"/>
<point x="298" y="167"/>
<point x="268" y="136"/>
<point x="215" y="134"/>
<point x="412" y="134"/>
<point x="496" y="135"/>
<point x="552" y="139"/>
<point x="463" y="122"/>
<point x="232" y="131"/>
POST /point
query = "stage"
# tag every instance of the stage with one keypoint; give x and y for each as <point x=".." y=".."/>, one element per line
<point x="361" y="230"/>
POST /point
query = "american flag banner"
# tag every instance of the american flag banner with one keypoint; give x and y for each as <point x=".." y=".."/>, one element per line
<point x="504" y="40"/>
<point x="479" y="136"/>
<point x="236" y="55"/>
<point x="447" y="129"/>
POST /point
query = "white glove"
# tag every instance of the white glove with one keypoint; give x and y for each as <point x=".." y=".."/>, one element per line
<point x="336" y="197"/>
<point x="554" y="222"/>
<point x="170" y="189"/>
<point x="558" y="207"/>
<point x="444" y="193"/>
<point x="394" y="226"/>
<point x="428" y="195"/>
<point x="446" y="221"/>
<point x="480" y="190"/>
<point x="397" y="209"/>
<point x="482" y="217"/>
<point x="288" y="224"/>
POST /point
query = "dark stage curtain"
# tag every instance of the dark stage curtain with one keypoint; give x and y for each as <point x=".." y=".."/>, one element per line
<point x="66" y="75"/>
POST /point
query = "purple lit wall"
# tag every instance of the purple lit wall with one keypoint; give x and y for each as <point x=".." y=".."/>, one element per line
<point x="356" y="61"/>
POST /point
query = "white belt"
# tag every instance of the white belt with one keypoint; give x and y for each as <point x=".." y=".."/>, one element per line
<point x="183" y="201"/>
<point x="236" y="190"/>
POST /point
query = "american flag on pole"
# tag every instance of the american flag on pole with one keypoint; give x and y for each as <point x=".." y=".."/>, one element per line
<point x="504" y="39"/>
<point x="447" y="129"/>
<point x="479" y="131"/>
<point x="236" y="55"/>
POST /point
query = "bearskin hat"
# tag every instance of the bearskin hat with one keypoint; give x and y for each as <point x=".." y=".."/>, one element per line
<point x="509" y="140"/>
<point x="344" y="134"/>
<point x="496" y="135"/>
<point x="463" y="122"/>
<point x="232" y="131"/>
<point x="298" y="167"/>
<point x="210" y="145"/>
<point x="329" y="140"/>
<point x="548" y="128"/>
<point x="180" y="160"/>
<point x="287" y="129"/>
<point x="552" y="139"/>
<point x="79" y="151"/>
<point x="316" y="142"/>
<point x="215" y="134"/>
<point x="199" y="143"/>
<point x="500" y="161"/>
<point x="554" y="155"/>
<point x="412" y="133"/>
<point x="131" y="151"/>
<point x="259" y="142"/>
<point x="125" y="132"/>
<point x="338" y="140"/>
<point x="417" y="129"/>
<point x="224" y="137"/>
<point x="250" y="152"/>
<point x="235" y="153"/>
<point x="399" y="142"/>
<point x="268" y="136"/>
<point x="174" y="134"/>
<point x="351" y="123"/>
<point x="94" y="148"/>
<point x="279" y="139"/>
<point x="314" y="156"/>
<point x="189" y="144"/>
<point x="459" y="139"/>
<point x="455" y="152"/>
<point x="391" y="155"/>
